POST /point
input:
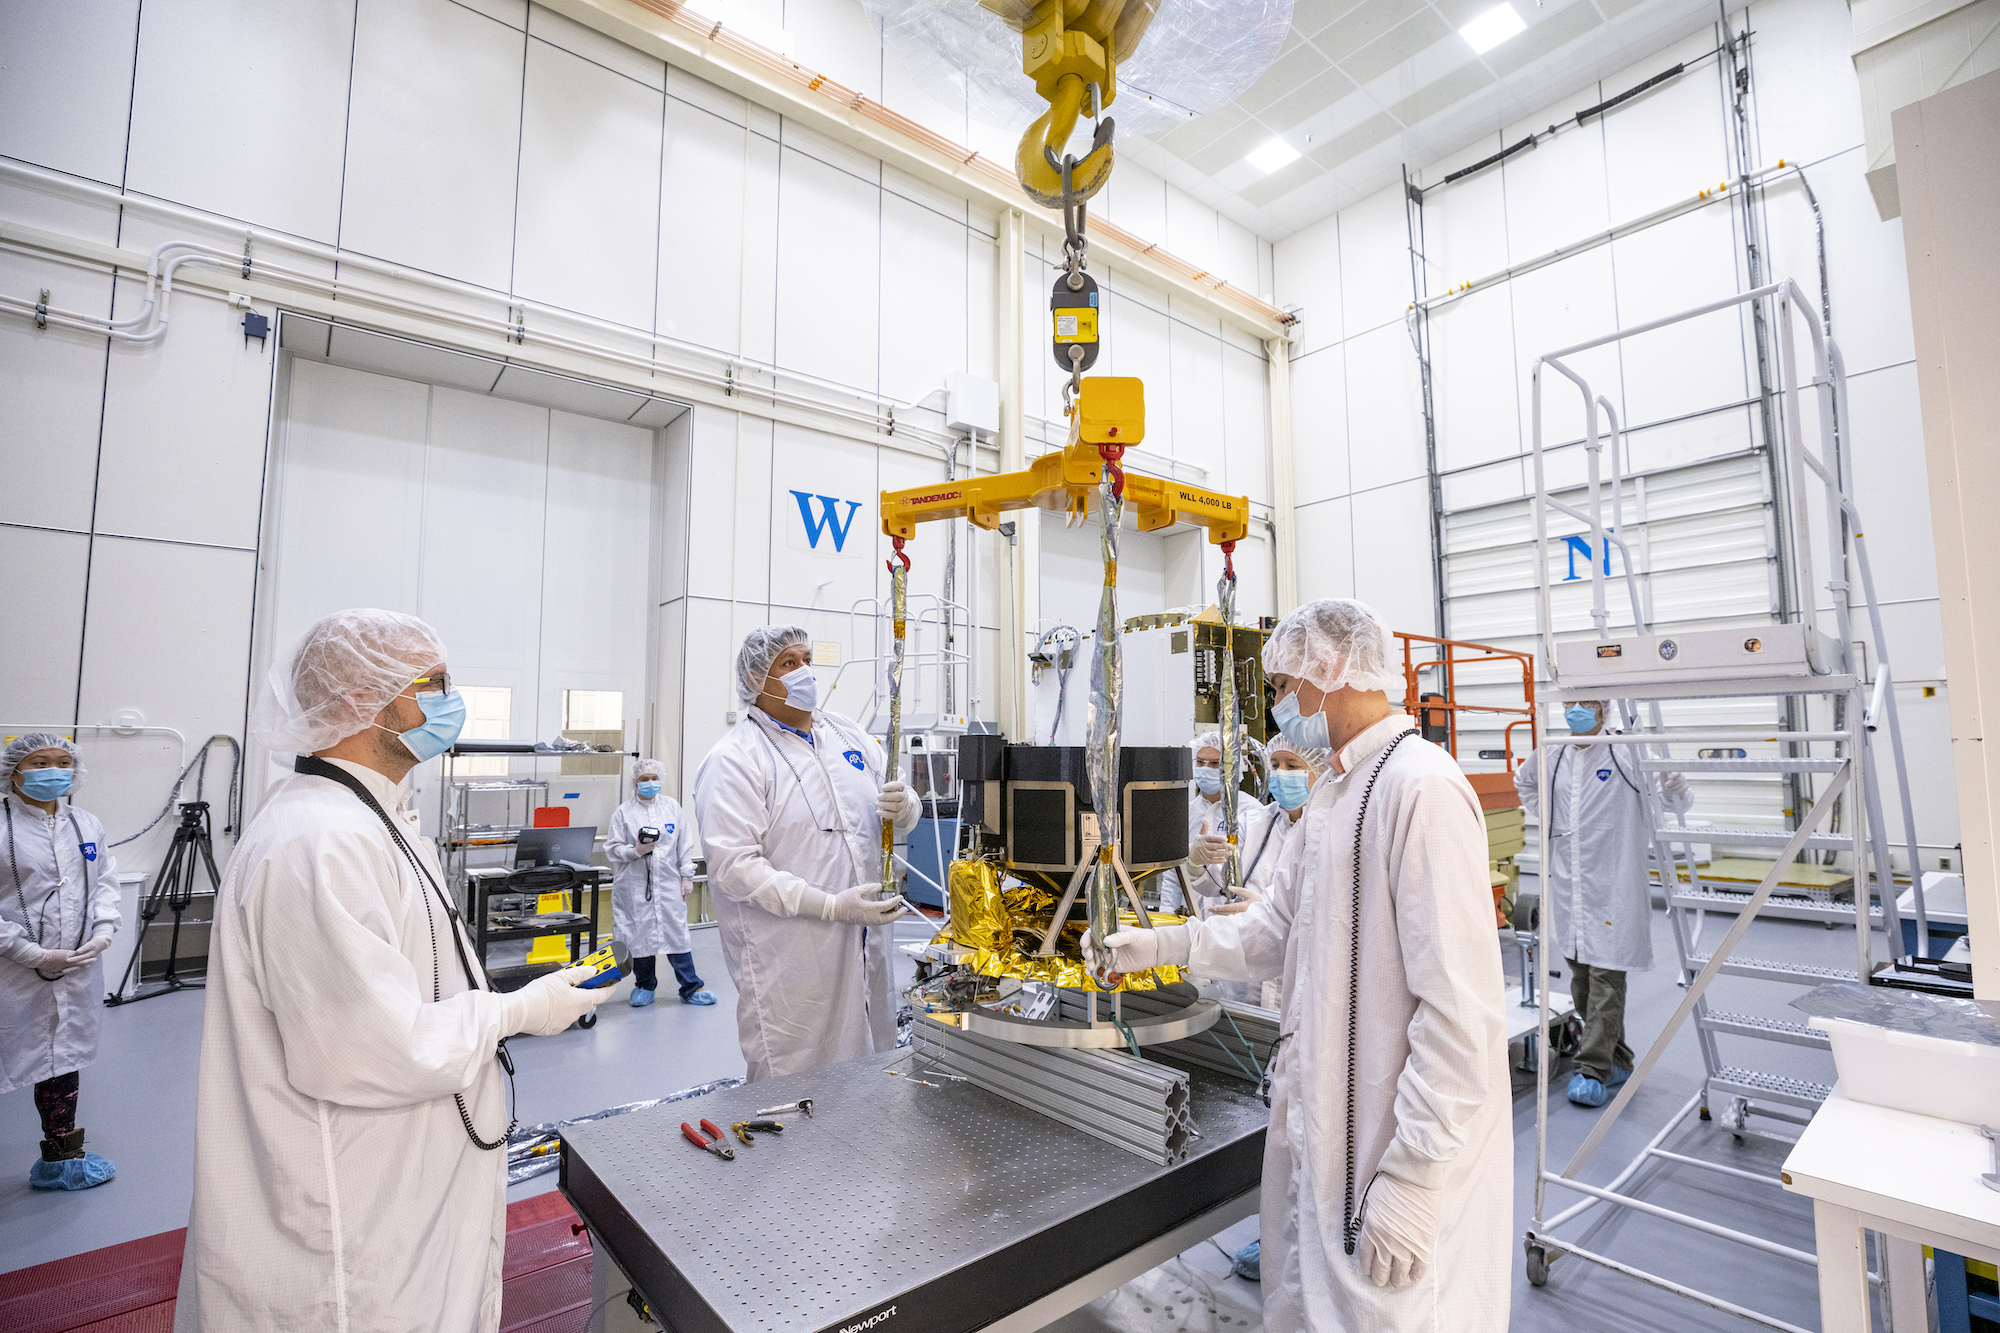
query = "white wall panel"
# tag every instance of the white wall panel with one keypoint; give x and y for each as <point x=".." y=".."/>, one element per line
<point x="484" y="480"/>
<point x="1326" y="550"/>
<point x="708" y="681"/>
<point x="699" y="92"/>
<point x="184" y="426"/>
<point x="1194" y="387"/>
<point x="1246" y="415"/>
<point x="829" y="263"/>
<point x="48" y="452"/>
<point x="1556" y="307"/>
<point x="1894" y="500"/>
<point x="703" y="199"/>
<point x="1690" y="366"/>
<point x="1665" y="144"/>
<point x="347" y="498"/>
<point x="559" y="30"/>
<point x="240" y="107"/>
<point x="1799" y="53"/>
<point x="588" y="233"/>
<point x="728" y="454"/>
<point x="923" y="299"/>
<point x="835" y="38"/>
<point x="1236" y="256"/>
<point x="1392" y="565"/>
<point x="1319" y="425"/>
<point x="758" y="336"/>
<point x="1136" y="199"/>
<point x="1135" y="336"/>
<point x="66" y="84"/>
<point x="39" y="684"/>
<point x="1461" y="239"/>
<point x="596" y="575"/>
<point x="1871" y="302"/>
<point x="1473" y="378"/>
<point x="982" y="280"/>
<point x="1307" y="273"/>
<point x="666" y="722"/>
<point x="1191" y="230"/>
<point x="1555" y="192"/>
<point x="432" y="145"/>
<point x="1374" y="262"/>
<point x="1385" y="424"/>
<point x="837" y="568"/>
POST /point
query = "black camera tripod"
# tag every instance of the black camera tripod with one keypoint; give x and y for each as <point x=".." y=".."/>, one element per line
<point x="173" y="889"/>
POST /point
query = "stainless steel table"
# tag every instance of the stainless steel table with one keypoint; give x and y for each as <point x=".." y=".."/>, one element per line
<point x="895" y="1205"/>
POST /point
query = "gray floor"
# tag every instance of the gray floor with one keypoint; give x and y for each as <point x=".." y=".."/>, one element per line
<point x="138" y="1099"/>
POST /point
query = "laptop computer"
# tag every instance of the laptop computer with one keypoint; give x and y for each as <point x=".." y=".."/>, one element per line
<point x="551" y="846"/>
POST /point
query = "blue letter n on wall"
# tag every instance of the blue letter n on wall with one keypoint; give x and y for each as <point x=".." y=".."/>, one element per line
<point x="1573" y="545"/>
<point x="829" y="519"/>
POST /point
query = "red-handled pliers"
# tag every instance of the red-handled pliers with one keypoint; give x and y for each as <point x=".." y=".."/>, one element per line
<point x="712" y="1140"/>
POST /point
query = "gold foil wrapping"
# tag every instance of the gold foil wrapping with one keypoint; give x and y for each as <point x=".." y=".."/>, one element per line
<point x="1003" y="928"/>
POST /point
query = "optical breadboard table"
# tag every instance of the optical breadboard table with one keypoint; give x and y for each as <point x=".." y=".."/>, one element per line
<point x="895" y="1205"/>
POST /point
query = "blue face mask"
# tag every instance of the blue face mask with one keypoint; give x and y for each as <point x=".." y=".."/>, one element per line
<point x="1209" y="780"/>
<point x="1306" y="732"/>
<point x="444" y="719"/>
<point x="649" y="789"/>
<point x="1289" y="787"/>
<point x="45" y="784"/>
<point x="1580" y="719"/>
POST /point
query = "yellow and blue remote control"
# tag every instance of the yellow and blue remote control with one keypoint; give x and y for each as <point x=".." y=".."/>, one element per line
<point x="608" y="963"/>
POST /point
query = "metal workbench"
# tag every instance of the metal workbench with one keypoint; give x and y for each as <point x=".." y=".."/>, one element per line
<point x="896" y="1205"/>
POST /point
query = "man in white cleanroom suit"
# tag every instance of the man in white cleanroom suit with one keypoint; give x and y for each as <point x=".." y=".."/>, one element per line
<point x="650" y="881"/>
<point x="1600" y="903"/>
<point x="351" y="1114"/>
<point x="790" y="803"/>
<point x="58" y="911"/>
<point x="1428" y="1208"/>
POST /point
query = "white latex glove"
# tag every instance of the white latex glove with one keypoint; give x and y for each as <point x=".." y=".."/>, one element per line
<point x="687" y="887"/>
<point x="87" y="955"/>
<point x="46" y="961"/>
<point x="898" y="803"/>
<point x="1674" y="785"/>
<point x="858" y="907"/>
<point x="1135" y="949"/>
<point x="643" y="848"/>
<point x="549" y="1004"/>
<point x="1399" y="1231"/>
<point x="1209" y="849"/>
<point x="1240" y="903"/>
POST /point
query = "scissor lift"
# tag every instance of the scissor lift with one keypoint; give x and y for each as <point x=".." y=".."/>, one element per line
<point x="1784" y="660"/>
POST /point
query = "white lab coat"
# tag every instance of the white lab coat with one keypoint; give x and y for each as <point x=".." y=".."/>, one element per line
<point x="334" y="1185"/>
<point x="778" y="816"/>
<point x="1432" y="1096"/>
<point x="50" y="1027"/>
<point x="1600" y="904"/>
<point x="1208" y="879"/>
<point x="648" y="911"/>
<point x="1263" y="846"/>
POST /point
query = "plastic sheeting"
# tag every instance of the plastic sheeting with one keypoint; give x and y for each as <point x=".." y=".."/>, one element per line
<point x="1197" y="55"/>
<point x="1940" y="1016"/>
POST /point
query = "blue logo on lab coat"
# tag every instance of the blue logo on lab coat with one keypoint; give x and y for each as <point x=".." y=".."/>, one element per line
<point x="1604" y="775"/>
<point x="89" y="850"/>
<point x="854" y="757"/>
<point x="667" y="831"/>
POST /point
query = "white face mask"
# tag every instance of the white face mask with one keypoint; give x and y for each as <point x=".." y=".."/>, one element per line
<point x="801" y="689"/>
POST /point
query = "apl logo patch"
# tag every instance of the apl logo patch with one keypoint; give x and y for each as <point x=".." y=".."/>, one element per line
<point x="89" y="850"/>
<point x="854" y="757"/>
<point x="1604" y="775"/>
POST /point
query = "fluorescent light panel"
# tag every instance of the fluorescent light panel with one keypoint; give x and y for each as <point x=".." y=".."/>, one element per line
<point x="1273" y="155"/>
<point x="1493" y="27"/>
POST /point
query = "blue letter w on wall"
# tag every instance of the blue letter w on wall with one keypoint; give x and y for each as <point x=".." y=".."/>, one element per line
<point x="829" y="519"/>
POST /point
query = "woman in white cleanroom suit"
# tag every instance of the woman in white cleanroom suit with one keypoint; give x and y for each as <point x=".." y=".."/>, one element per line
<point x="791" y="803"/>
<point x="351" y="1115"/>
<point x="1417" y="1236"/>
<point x="650" y="881"/>
<point x="58" y="911"/>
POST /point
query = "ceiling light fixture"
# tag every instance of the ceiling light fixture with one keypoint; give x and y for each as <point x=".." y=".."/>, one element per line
<point x="1493" y="27"/>
<point x="1273" y="155"/>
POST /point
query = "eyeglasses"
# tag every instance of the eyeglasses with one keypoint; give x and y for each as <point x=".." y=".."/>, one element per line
<point x="438" y="684"/>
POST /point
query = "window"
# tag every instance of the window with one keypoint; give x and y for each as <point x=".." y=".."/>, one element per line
<point x="594" y="710"/>
<point x="489" y="716"/>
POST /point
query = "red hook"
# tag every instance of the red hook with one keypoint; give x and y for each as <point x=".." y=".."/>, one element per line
<point x="1229" y="560"/>
<point x="1111" y="453"/>
<point x="897" y="542"/>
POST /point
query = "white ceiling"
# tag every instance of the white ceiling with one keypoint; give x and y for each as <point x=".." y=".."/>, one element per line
<point x="1362" y="88"/>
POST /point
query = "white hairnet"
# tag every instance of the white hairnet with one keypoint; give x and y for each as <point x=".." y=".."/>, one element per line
<point x="339" y="675"/>
<point x="648" y="766"/>
<point x="1315" y="758"/>
<point x="1335" y="642"/>
<point x="1208" y="740"/>
<point x="26" y="744"/>
<point x="761" y="648"/>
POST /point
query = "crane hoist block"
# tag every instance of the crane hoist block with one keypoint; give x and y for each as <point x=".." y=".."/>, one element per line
<point x="1112" y="410"/>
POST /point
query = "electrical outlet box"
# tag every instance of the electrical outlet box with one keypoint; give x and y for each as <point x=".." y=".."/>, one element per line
<point x="971" y="403"/>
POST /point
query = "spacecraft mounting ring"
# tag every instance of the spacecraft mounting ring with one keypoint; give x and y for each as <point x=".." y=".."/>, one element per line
<point x="1145" y="1029"/>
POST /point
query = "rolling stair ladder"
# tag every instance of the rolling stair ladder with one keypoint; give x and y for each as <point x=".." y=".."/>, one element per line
<point x="1788" y="660"/>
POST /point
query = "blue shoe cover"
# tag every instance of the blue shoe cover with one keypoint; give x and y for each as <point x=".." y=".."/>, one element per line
<point x="78" y="1173"/>
<point x="641" y="998"/>
<point x="1618" y="1077"/>
<point x="699" y="997"/>
<point x="1587" y="1091"/>
<point x="1249" y="1262"/>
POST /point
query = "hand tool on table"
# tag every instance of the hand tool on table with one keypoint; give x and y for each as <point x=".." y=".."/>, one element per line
<point x="713" y="1140"/>
<point x="802" y="1104"/>
<point x="743" y="1128"/>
